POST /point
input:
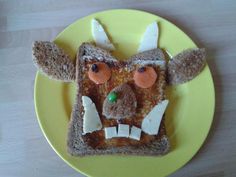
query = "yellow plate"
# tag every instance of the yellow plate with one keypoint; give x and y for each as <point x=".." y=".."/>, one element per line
<point x="188" y="118"/>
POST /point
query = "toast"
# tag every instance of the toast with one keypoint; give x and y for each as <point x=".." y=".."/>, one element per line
<point x="120" y="105"/>
<point x="185" y="66"/>
<point x="53" y="61"/>
<point x="95" y="143"/>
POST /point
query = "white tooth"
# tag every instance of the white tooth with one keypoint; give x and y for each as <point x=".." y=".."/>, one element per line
<point x="91" y="119"/>
<point x="123" y="130"/>
<point x="151" y="122"/>
<point x="110" y="132"/>
<point x="135" y="133"/>
<point x="150" y="38"/>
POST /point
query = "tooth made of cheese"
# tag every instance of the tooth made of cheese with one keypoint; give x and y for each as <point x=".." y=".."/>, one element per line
<point x="110" y="132"/>
<point x="150" y="38"/>
<point x="123" y="130"/>
<point x="100" y="36"/>
<point x="135" y="133"/>
<point x="152" y="121"/>
<point x="91" y="119"/>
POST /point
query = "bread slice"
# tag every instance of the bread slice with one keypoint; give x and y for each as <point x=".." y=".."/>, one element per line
<point x="185" y="66"/>
<point x="52" y="61"/>
<point x="94" y="143"/>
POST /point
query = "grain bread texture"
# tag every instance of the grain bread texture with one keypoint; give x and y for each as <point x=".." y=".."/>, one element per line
<point x="185" y="66"/>
<point x="52" y="61"/>
<point x="90" y="51"/>
<point x="75" y="142"/>
<point x="154" y="56"/>
<point x="125" y="105"/>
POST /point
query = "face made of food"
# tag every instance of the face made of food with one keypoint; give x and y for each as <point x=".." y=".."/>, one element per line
<point x="119" y="95"/>
<point x="121" y="103"/>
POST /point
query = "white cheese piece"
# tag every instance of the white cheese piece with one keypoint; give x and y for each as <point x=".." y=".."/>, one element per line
<point x="123" y="130"/>
<point x="150" y="38"/>
<point x="91" y="119"/>
<point x="86" y="101"/>
<point x="151" y="122"/>
<point x="110" y="132"/>
<point x="135" y="133"/>
<point x="100" y="36"/>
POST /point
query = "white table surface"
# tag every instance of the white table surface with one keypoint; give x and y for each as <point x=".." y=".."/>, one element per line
<point x="24" y="152"/>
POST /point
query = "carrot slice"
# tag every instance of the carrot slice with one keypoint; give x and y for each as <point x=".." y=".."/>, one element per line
<point x="145" y="77"/>
<point x="99" y="72"/>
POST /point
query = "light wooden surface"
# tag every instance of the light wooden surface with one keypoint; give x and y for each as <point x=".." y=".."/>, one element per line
<point x="24" y="152"/>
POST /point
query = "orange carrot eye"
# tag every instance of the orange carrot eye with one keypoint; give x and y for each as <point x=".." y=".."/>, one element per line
<point x="145" y="77"/>
<point x="99" y="73"/>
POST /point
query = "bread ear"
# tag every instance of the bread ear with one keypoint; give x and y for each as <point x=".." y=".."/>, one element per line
<point x="185" y="66"/>
<point x="53" y="61"/>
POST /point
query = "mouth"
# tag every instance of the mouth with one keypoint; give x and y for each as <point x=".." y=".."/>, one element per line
<point x="117" y="108"/>
<point x="123" y="131"/>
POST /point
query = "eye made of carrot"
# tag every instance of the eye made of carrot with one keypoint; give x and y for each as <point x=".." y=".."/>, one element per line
<point x="145" y="77"/>
<point x="99" y="73"/>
